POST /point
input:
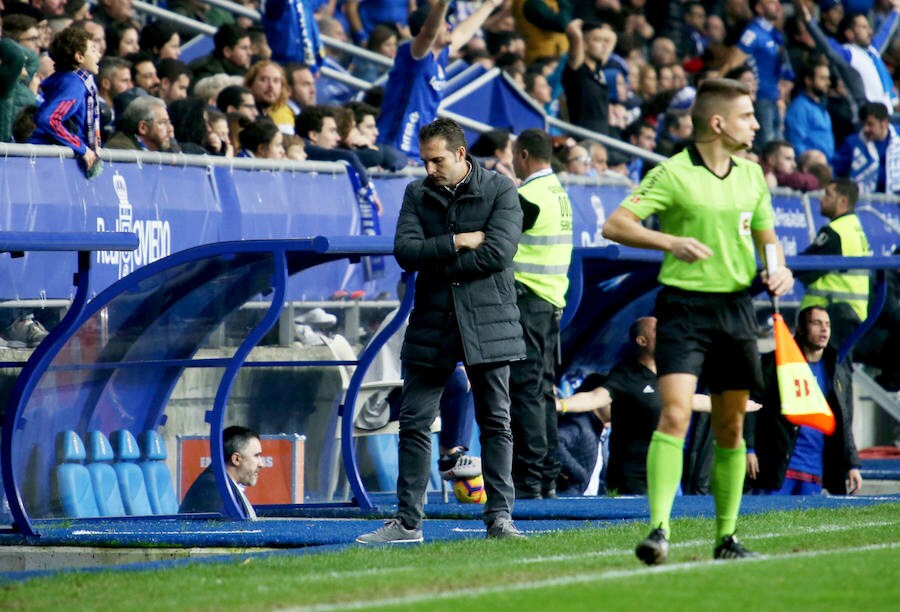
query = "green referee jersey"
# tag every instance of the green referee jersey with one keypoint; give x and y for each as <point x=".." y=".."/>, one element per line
<point x="719" y="212"/>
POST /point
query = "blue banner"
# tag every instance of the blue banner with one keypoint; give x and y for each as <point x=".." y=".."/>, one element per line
<point x="172" y="208"/>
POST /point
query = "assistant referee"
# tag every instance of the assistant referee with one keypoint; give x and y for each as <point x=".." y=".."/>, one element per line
<point x="713" y="209"/>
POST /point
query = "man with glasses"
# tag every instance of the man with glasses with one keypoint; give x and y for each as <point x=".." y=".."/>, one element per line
<point x="145" y="127"/>
<point x="578" y="161"/>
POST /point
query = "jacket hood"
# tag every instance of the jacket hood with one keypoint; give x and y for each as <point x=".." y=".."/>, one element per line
<point x="53" y="83"/>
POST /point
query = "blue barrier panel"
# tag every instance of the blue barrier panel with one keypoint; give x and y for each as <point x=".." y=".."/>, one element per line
<point x="591" y="204"/>
<point x="169" y="209"/>
<point x="174" y="207"/>
<point x="793" y="230"/>
<point x="282" y="204"/>
<point x="880" y="221"/>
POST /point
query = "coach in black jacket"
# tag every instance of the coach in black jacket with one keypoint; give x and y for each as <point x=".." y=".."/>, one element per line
<point x="459" y="229"/>
<point x="772" y="437"/>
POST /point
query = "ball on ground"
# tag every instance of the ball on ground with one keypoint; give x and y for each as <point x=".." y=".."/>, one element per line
<point x="470" y="490"/>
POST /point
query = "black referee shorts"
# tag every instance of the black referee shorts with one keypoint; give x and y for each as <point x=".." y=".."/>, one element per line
<point x="710" y="335"/>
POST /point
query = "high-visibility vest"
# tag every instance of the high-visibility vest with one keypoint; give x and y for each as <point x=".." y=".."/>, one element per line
<point x="542" y="259"/>
<point x="848" y="286"/>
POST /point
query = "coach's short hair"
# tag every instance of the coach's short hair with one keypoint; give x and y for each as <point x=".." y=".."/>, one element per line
<point x="710" y="96"/>
<point x="235" y="439"/>
<point x="448" y="129"/>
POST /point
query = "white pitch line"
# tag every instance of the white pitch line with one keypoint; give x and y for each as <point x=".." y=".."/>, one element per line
<point x="594" y="554"/>
<point x="470" y="592"/>
<point x="761" y="536"/>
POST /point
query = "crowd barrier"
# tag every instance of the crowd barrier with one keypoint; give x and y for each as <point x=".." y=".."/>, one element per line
<point x="176" y="202"/>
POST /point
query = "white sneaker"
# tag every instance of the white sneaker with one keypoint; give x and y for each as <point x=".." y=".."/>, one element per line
<point x="458" y="465"/>
<point x="392" y="532"/>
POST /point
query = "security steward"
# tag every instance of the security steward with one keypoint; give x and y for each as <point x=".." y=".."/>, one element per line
<point x="844" y="294"/>
<point x="541" y="266"/>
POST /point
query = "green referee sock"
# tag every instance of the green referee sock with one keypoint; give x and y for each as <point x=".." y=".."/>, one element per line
<point x="728" y="471"/>
<point x="664" y="464"/>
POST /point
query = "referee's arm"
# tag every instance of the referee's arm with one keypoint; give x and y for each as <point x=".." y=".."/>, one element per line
<point x="624" y="227"/>
<point x="781" y="280"/>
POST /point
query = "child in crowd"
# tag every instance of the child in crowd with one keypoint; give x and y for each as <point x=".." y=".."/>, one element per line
<point x="70" y="114"/>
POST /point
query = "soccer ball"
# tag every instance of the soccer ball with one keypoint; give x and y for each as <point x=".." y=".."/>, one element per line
<point x="470" y="490"/>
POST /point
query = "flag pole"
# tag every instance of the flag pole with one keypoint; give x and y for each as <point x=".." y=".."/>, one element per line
<point x="771" y="266"/>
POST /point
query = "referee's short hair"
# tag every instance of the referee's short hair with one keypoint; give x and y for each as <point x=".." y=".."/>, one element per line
<point x="448" y="129"/>
<point x="537" y="142"/>
<point x="710" y="97"/>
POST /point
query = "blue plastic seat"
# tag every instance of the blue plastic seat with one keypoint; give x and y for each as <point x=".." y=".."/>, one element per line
<point x="130" y="475"/>
<point x="157" y="476"/>
<point x="103" y="476"/>
<point x="71" y="484"/>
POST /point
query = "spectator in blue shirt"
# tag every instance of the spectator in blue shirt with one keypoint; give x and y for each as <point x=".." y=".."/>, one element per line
<point x="364" y="15"/>
<point x="807" y="123"/>
<point x="861" y="52"/>
<point x="416" y="82"/>
<point x="763" y="46"/>
<point x="292" y="32"/>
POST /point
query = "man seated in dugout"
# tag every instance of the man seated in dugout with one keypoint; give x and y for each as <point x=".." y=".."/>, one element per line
<point x="242" y="452"/>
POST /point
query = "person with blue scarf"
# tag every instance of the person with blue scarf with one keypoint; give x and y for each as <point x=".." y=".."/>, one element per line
<point x="871" y="158"/>
<point x="70" y="114"/>
<point x="861" y="52"/>
<point x="292" y="32"/>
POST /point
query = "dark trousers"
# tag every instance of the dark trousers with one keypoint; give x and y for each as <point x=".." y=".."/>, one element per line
<point x="532" y="403"/>
<point x="422" y="389"/>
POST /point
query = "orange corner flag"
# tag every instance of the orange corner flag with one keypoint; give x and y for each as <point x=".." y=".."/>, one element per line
<point x="802" y="401"/>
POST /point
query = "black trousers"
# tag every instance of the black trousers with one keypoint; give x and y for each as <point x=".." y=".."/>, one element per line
<point x="532" y="402"/>
<point x="422" y="389"/>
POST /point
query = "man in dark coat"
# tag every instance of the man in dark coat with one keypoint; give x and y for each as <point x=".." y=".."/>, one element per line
<point x="459" y="229"/>
<point x="789" y="459"/>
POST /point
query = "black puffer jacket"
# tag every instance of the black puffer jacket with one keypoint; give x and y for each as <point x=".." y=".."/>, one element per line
<point x="772" y="436"/>
<point x="470" y="294"/>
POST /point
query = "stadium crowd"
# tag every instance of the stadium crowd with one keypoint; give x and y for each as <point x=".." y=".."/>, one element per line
<point x="822" y="77"/>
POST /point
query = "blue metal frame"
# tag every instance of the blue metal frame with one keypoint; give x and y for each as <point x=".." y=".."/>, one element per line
<point x="879" y="264"/>
<point x="17" y="243"/>
<point x="348" y="450"/>
<point x="287" y="257"/>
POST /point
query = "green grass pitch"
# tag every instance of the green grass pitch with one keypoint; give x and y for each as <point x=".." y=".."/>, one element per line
<point x="846" y="559"/>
